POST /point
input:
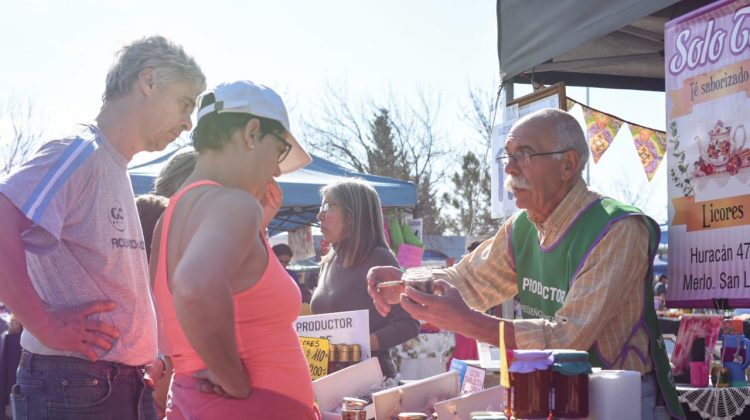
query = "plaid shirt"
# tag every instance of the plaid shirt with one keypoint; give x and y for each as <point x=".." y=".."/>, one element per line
<point x="604" y="303"/>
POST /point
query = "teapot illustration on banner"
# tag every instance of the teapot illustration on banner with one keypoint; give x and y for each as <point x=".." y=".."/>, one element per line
<point x="722" y="144"/>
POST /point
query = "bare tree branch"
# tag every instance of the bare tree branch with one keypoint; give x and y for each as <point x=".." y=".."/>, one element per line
<point x="20" y="134"/>
<point x="399" y="140"/>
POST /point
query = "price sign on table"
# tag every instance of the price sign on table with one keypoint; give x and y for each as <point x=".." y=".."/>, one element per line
<point x="316" y="352"/>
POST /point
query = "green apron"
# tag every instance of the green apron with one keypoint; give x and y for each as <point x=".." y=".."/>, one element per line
<point x="545" y="276"/>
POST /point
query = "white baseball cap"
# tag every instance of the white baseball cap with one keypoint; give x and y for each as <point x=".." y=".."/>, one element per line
<point x="246" y="97"/>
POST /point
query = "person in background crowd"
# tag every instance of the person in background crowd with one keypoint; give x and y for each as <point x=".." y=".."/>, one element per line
<point x="284" y="254"/>
<point x="73" y="268"/>
<point x="660" y="292"/>
<point x="225" y="302"/>
<point x="150" y="208"/>
<point x="472" y="246"/>
<point x="581" y="264"/>
<point x="351" y="220"/>
<point x="660" y="286"/>
<point x="173" y="174"/>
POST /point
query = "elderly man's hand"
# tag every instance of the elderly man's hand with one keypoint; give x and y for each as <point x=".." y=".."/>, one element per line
<point x="380" y="274"/>
<point x="445" y="310"/>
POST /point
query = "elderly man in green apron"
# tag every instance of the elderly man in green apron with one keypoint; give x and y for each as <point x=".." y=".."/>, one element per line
<point x="580" y="263"/>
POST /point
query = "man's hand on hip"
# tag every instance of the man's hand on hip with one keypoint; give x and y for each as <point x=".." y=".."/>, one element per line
<point x="71" y="329"/>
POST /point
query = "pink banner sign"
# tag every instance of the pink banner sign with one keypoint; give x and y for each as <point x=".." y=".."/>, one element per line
<point x="707" y="81"/>
<point x="409" y="256"/>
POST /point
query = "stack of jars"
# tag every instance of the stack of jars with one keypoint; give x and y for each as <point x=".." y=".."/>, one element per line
<point x="343" y="355"/>
<point x="548" y="383"/>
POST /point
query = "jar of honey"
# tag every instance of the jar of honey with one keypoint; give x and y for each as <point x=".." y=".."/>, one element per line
<point x="420" y="278"/>
<point x="529" y="393"/>
<point x="570" y="384"/>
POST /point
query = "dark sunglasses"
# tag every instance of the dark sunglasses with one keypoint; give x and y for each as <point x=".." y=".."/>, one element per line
<point x="287" y="146"/>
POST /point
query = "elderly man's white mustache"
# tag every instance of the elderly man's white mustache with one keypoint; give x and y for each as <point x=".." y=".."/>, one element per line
<point x="516" y="182"/>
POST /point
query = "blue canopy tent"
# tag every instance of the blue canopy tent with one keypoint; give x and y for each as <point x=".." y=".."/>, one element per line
<point x="301" y="188"/>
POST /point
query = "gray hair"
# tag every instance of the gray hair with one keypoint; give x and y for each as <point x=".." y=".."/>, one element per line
<point x="168" y="60"/>
<point x="566" y="131"/>
<point x="361" y="203"/>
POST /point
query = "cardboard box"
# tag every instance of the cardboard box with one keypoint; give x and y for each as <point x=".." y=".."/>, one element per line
<point x="349" y="382"/>
<point x="416" y="395"/>
<point x="461" y="407"/>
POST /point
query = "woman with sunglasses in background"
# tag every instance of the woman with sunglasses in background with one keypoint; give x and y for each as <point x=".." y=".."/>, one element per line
<point x="351" y="220"/>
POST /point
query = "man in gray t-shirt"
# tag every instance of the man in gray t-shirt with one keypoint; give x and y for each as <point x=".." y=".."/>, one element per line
<point x="73" y="266"/>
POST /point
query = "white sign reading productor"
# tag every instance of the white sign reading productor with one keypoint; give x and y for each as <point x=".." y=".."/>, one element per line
<point x="352" y="327"/>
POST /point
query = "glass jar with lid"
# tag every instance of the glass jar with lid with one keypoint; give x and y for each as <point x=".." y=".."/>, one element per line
<point x="420" y="278"/>
<point x="529" y="393"/>
<point x="570" y="383"/>
<point x="353" y="409"/>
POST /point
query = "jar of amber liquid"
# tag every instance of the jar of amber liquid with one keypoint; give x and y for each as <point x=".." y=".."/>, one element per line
<point x="420" y="278"/>
<point x="529" y="393"/>
<point x="353" y="409"/>
<point x="570" y="384"/>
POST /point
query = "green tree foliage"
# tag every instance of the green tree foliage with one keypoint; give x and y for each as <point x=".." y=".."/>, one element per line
<point x="470" y="193"/>
<point x="470" y="199"/>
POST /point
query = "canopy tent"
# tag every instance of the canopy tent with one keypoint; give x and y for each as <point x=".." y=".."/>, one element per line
<point x="301" y="188"/>
<point x="612" y="44"/>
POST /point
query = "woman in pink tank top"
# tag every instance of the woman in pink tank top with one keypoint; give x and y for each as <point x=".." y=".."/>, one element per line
<point x="225" y="304"/>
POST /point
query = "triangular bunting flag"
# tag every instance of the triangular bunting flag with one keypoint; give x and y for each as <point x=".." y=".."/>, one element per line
<point x="569" y="103"/>
<point x="650" y="146"/>
<point x="601" y="130"/>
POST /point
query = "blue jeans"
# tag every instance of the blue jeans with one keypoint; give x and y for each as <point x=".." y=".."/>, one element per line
<point x="54" y="387"/>
<point x="649" y="397"/>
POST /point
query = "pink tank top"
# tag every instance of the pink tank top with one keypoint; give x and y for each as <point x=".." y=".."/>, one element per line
<point x="263" y="319"/>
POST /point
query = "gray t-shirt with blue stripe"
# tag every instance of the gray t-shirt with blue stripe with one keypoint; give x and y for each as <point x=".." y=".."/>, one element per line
<point x="86" y="241"/>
